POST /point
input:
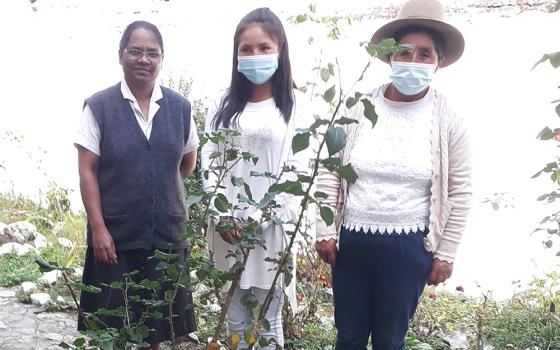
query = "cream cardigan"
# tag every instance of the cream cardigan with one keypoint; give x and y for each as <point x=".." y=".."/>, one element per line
<point x="451" y="180"/>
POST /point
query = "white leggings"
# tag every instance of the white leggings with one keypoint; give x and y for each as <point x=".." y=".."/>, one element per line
<point x="238" y="316"/>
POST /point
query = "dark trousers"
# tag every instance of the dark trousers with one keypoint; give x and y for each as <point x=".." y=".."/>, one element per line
<point x="377" y="281"/>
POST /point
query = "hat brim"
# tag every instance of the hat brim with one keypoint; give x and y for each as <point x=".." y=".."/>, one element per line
<point x="453" y="40"/>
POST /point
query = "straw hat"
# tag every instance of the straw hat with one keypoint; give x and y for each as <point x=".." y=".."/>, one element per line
<point x="428" y="14"/>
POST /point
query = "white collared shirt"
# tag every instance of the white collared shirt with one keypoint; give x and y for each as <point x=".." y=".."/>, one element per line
<point x="89" y="135"/>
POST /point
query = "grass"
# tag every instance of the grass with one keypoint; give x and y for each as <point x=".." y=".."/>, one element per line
<point x="16" y="270"/>
<point x="15" y="208"/>
<point x="54" y="222"/>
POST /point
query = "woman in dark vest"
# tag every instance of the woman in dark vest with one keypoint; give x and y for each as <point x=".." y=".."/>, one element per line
<point x="136" y="142"/>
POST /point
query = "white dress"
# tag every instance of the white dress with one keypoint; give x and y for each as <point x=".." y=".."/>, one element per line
<point x="263" y="132"/>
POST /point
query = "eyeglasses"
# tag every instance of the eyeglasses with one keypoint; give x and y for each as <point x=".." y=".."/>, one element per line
<point x="138" y="53"/>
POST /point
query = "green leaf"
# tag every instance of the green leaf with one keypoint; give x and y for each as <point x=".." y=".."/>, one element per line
<point x="117" y="285"/>
<point x="292" y="187"/>
<point x="370" y="49"/>
<point x="158" y="254"/>
<point x="248" y="191"/>
<point x="193" y="199"/>
<point x="266" y="200"/>
<point x="328" y="96"/>
<point x="214" y="155"/>
<point x="327" y="215"/>
<point x="325" y="74"/>
<point x="348" y="173"/>
<point x="557" y="109"/>
<point x="249" y="335"/>
<point x="237" y="181"/>
<point x="265" y="324"/>
<point x="554" y="59"/>
<point x="84" y="288"/>
<point x="79" y="342"/>
<point x="331" y="69"/>
<point x="344" y="120"/>
<point x="221" y="203"/>
<point x="386" y="47"/>
<point x="317" y="123"/>
<point x="545" y="134"/>
<point x="321" y="195"/>
<point x="369" y="111"/>
<point x="263" y="342"/>
<point x="149" y="283"/>
<point x="335" y="138"/>
<point x="249" y="300"/>
<point x="66" y="346"/>
<point x="331" y="163"/>
<point x="231" y="154"/>
<point x="300" y="142"/>
<point x="301" y="18"/>
<point x="44" y="266"/>
<point x="351" y="102"/>
<point x="548" y="243"/>
<point x="537" y="174"/>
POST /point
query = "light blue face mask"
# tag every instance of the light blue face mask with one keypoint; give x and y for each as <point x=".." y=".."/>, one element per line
<point x="411" y="78"/>
<point x="258" y="68"/>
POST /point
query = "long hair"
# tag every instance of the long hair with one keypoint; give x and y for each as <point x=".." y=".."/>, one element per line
<point x="238" y="93"/>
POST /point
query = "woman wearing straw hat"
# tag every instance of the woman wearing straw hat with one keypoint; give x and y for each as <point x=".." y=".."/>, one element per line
<point x="398" y="226"/>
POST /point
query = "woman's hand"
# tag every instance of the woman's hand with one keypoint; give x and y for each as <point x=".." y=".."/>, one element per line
<point x="327" y="251"/>
<point x="103" y="246"/>
<point x="441" y="271"/>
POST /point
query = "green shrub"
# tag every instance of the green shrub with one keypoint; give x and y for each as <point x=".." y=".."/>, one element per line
<point x="17" y="269"/>
<point x="314" y="336"/>
<point x="529" y="319"/>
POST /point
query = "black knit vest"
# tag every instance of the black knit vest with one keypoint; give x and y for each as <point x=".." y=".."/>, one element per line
<point x="141" y="187"/>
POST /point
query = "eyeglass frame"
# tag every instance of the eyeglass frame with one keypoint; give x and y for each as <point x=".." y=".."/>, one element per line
<point x="137" y="53"/>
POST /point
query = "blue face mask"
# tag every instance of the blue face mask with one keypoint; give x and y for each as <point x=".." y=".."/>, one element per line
<point x="411" y="78"/>
<point x="259" y="68"/>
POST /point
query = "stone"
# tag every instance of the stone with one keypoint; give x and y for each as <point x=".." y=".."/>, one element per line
<point x="78" y="272"/>
<point x="2" y="228"/>
<point x="65" y="242"/>
<point x="40" y="299"/>
<point x="40" y="241"/>
<point x="58" y="228"/>
<point x="54" y="336"/>
<point x="60" y="300"/>
<point x="28" y="287"/>
<point x="192" y="336"/>
<point x="50" y="277"/>
<point x="8" y="248"/>
<point x="21" y="231"/>
<point x="18" y="249"/>
<point x="7" y="293"/>
<point x="214" y="307"/>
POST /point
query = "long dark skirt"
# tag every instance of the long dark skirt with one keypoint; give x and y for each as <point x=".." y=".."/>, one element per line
<point x="97" y="274"/>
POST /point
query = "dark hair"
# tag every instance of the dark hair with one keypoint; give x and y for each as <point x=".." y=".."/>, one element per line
<point x="136" y="25"/>
<point x="436" y="37"/>
<point x="238" y="93"/>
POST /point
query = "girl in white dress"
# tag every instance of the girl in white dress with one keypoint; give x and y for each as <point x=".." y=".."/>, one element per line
<point x="262" y="105"/>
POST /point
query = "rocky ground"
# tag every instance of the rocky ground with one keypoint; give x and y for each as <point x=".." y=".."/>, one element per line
<point x="25" y="327"/>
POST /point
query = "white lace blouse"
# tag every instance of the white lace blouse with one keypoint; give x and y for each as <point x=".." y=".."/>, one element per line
<point x="394" y="166"/>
